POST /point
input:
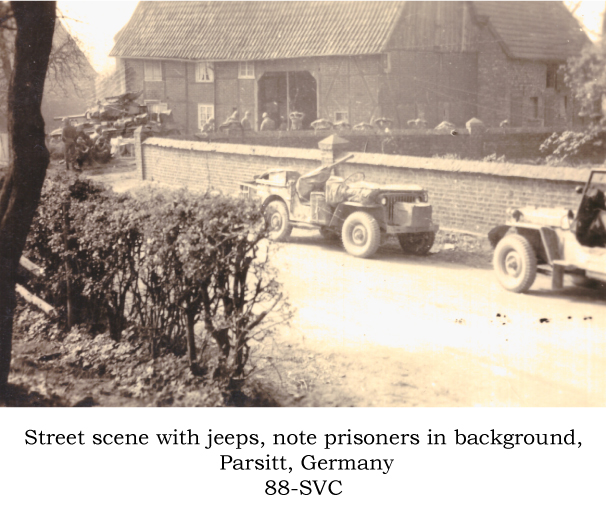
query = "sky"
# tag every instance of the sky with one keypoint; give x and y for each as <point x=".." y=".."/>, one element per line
<point x="590" y="14"/>
<point x="95" y="23"/>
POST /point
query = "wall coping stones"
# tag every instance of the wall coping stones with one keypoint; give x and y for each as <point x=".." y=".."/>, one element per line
<point x="550" y="173"/>
<point x="560" y="174"/>
<point x="258" y="150"/>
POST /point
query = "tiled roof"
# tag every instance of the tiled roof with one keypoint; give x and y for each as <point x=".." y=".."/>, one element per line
<point x="534" y="30"/>
<point x="256" y="30"/>
<point x="272" y="30"/>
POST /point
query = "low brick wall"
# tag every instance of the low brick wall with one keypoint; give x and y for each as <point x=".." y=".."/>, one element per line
<point x="470" y="196"/>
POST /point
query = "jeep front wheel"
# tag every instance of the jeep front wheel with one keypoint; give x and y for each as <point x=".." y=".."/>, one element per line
<point x="515" y="263"/>
<point x="276" y="216"/>
<point x="361" y="235"/>
<point x="418" y="244"/>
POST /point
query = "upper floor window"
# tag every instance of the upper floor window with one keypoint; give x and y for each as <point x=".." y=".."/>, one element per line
<point x="153" y="70"/>
<point x="205" y="72"/>
<point x="246" y="70"/>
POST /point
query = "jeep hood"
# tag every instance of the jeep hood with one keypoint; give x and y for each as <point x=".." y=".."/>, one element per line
<point x="540" y="216"/>
<point x="385" y="187"/>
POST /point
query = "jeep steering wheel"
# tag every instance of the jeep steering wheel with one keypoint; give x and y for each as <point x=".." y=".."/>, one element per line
<point x="355" y="177"/>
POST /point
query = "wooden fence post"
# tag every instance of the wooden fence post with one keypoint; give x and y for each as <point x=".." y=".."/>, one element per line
<point x="68" y="273"/>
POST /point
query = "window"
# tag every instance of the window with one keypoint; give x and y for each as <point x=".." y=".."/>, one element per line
<point x="205" y="113"/>
<point x="246" y="70"/>
<point x="153" y="71"/>
<point x="156" y="107"/>
<point x="552" y="76"/>
<point x="341" y="116"/>
<point x="205" y="72"/>
<point x="534" y="103"/>
<point x="386" y="62"/>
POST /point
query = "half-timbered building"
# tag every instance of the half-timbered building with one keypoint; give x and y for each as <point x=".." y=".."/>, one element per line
<point x="352" y="61"/>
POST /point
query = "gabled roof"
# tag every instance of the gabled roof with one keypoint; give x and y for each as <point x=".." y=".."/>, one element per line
<point x="270" y="30"/>
<point x="534" y="30"/>
<point x="256" y="30"/>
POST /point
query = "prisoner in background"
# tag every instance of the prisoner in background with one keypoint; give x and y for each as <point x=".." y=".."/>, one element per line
<point x="68" y="136"/>
<point x="246" y="123"/>
<point x="267" y="124"/>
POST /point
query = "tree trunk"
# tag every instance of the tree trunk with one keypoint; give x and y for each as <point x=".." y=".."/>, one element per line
<point x="29" y="157"/>
<point x="191" y="339"/>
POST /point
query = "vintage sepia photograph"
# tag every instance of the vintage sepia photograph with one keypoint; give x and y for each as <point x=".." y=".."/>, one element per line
<point x="302" y="204"/>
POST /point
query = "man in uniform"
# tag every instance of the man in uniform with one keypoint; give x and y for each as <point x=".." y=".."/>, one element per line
<point x="267" y="124"/>
<point x="68" y="136"/>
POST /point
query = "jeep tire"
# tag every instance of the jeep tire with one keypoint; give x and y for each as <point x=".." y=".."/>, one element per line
<point x="515" y="263"/>
<point x="361" y="234"/>
<point x="276" y="216"/>
<point x="417" y="244"/>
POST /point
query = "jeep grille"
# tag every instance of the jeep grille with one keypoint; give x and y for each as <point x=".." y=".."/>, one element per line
<point x="392" y="199"/>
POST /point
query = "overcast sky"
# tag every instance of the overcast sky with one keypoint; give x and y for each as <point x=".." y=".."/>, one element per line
<point x="95" y="23"/>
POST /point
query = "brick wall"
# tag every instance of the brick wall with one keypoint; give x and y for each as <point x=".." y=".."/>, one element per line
<point x="467" y="195"/>
<point x="203" y="166"/>
<point x="473" y="196"/>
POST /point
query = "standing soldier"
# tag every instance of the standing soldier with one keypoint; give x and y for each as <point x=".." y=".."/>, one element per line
<point x="246" y="123"/>
<point x="68" y="136"/>
<point x="267" y="124"/>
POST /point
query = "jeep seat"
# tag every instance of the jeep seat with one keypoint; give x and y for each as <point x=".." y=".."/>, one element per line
<point x="314" y="181"/>
<point x="589" y="222"/>
<point x="333" y="196"/>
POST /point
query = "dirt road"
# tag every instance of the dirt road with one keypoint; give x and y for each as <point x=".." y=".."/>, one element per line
<point x="435" y="331"/>
<point x="423" y="331"/>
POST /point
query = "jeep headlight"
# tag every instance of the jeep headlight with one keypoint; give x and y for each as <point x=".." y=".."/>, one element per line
<point x="516" y="214"/>
<point x="383" y="200"/>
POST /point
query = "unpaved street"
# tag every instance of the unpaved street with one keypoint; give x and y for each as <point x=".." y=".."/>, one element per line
<point x="442" y="333"/>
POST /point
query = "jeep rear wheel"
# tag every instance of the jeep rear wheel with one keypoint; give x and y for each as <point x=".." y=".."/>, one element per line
<point x="418" y="244"/>
<point x="276" y="215"/>
<point x="361" y="235"/>
<point x="515" y="263"/>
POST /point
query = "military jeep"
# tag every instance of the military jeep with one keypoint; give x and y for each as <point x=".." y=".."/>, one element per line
<point x="363" y="214"/>
<point x="554" y="242"/>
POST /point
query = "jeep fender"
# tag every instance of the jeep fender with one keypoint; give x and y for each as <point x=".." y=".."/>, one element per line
<point x="273" y="197"/>
<point x="543" y="239"/>
<point x="343" y="210"/>
<point x="496" y="234"/>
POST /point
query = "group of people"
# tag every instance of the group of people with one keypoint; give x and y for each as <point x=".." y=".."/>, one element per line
<point x="267" y="122"/>
<point x="81" y="149"/>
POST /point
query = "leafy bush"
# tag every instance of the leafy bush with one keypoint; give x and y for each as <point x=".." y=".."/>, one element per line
<point x="206" y="257"/>
<point x="585" y="75"/>
<point x="573" y="147"/>
<point x="165" y="262"/>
